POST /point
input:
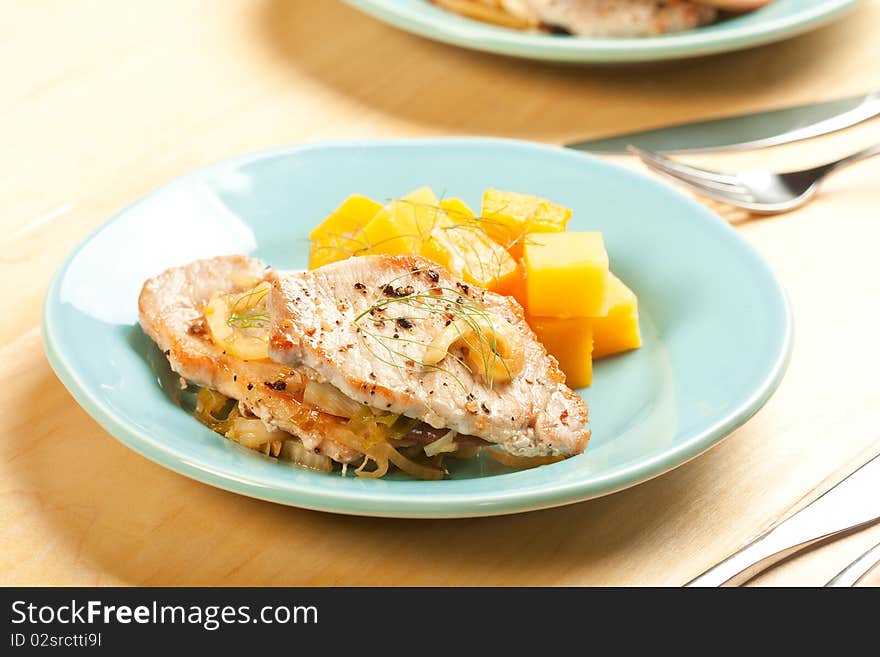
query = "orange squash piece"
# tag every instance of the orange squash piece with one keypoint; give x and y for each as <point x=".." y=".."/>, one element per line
<point x="566" y="274"/>
<point x="339" y="236"/>
<point x="402" y="226"/>
<point x="570" y="341"/>
<point x="509" y="217"/>
<point x="459" y="243"/>
<point x="619" y="329"/>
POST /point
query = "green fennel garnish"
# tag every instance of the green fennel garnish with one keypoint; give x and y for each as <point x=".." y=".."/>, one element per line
<point x="249" y="310"/>
<point x="466" y="316"/>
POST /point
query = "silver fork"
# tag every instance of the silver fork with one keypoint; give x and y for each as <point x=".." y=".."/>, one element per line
<point x="758" y="191"/>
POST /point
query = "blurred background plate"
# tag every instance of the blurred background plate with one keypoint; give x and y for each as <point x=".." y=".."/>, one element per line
<point x="778" y="20"/>
<point x="715" y="323"/>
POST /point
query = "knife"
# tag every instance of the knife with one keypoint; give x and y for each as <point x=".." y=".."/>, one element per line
<point x="747" y="131"/>
<point x="852" y="504"/>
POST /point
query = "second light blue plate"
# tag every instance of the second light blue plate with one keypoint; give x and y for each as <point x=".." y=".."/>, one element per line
<point x="716" y="325"/>
<point x="780" y="19"/>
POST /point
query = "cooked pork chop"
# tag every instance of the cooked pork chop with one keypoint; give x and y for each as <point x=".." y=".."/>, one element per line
<point x="366" y="325"/>
<point x="171" y="313"/>
<point x="614" y="18"/>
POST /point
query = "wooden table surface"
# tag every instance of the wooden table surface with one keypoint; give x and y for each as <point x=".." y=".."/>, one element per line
<point x="103" y="101"/>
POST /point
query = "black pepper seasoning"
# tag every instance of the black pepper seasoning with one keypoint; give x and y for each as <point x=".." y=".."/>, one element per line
<point x="391" y="291"/>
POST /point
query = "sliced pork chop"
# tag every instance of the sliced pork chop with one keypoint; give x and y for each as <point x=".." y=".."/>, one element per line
<point x="364" y="324"/>
<point x="171" y="313"/>
<point x="614" y="18"/>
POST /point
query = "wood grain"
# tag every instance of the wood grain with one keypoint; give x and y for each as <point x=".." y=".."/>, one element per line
<point x="104" y="101"/>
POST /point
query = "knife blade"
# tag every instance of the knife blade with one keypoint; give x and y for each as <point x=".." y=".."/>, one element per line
<point x="747" y="131"/>
<point x="852" y="504"/>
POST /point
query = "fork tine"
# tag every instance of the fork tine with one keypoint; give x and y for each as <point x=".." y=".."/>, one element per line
<point x="736" y="194"/>
<point x="702" y="175"/>
<point x="698" y="182"/>
<point x="730" y="197"/>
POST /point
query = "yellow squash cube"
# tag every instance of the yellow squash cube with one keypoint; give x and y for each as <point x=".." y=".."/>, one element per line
<point x="570" y="341"/>
<point x="338" y="236"/>
<point x="459" y="244"/>
<point x="566" y="274"/>
<point x="402" y="226"/>
<point x="619" y="329"/>
<point x="508" y="217"/>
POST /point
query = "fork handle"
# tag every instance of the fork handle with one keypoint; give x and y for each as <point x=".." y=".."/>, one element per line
<point x="786" y="540"/>
<point x="851" y="575"/>
<point x="852" y="159"/>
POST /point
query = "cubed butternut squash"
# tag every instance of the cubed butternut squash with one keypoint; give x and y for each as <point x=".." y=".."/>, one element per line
<point x="566" y="274"/>
<point x="570" y="341"/>
<point x="338" y="236"/>
<point x="402" y="226"/>
<point x="458" y="243"/>
<point x="619" y="329"/>
<point x="508" y="217"/>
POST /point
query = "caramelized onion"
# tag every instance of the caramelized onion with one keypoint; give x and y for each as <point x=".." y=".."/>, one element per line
<point x="444" y="444"/>
<point x="408" y="466"/>
<point x="380" y="471"/>
<point x="209" y="404"/>
<point x="367" y="432"/>
<point x="295" y="451"/>
<point x="329" y="399"/>
<point x="253" y="433"/>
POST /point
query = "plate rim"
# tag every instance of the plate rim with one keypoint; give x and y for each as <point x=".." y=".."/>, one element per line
<point x="442" y="504"/>
<point x="691" y="43"/>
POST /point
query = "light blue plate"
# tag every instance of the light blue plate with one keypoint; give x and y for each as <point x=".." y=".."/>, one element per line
<point x="778" y="20"/>
<point x="716" y="325"/>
